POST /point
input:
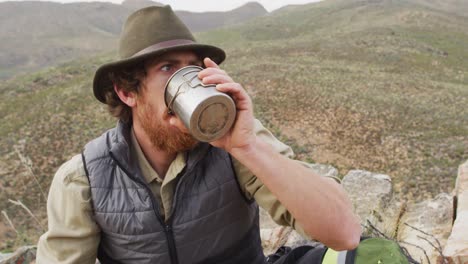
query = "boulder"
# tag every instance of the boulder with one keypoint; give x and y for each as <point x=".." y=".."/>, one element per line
<point x="373" y="201"/>
<point x="274" y="236"/>
<point x="456" y="250"/>
<point x="324" y="170"/>
<point x="425" y="227"/>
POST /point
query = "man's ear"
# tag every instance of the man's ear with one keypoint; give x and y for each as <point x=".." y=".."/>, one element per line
<point x="129" y="98"/>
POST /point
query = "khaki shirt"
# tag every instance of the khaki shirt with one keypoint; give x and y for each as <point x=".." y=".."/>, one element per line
<point x="73" y="236"/>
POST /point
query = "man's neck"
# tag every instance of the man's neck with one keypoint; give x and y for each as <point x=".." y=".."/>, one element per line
<point x="158" y="159"/>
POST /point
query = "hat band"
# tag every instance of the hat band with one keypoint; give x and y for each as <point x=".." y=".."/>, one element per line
<point x="163" y="45"/>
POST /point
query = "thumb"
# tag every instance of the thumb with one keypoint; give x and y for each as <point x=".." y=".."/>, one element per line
<point x="176" y="122"/>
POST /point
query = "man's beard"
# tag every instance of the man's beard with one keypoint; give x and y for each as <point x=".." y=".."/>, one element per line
<point x="162" y="137"/>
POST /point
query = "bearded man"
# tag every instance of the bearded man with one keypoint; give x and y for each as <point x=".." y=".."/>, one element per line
<point x="147" y="192"/>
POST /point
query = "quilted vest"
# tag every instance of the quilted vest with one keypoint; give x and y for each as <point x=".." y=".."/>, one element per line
<point x="211" y="221"/>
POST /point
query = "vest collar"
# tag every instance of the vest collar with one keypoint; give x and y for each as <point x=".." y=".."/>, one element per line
<point x="120" y="143"/>
<point x="119" y="147"/>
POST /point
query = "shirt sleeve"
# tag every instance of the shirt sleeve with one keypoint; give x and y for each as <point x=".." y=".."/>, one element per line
<point x="254" y="188"/>
<point x="73" y="235"/>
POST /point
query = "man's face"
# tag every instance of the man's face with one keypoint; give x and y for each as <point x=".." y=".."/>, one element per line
<point x="151" y="111"/>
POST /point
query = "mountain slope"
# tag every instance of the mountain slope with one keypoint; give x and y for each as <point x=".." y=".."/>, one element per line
<point x="47" y="33"/>
<point x="375" y="85"/>
<point x="198" y="22"/>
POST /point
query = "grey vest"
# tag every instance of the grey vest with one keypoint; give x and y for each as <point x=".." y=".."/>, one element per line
<point x="210" y="221"/>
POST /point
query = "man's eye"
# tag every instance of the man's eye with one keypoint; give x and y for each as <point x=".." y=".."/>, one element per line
<point x="166" y="67"/>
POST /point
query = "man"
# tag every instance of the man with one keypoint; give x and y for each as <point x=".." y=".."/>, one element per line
<point x="147" y="192"/>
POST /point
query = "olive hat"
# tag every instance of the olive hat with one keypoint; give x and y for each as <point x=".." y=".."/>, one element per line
<point x="150" y="32"/>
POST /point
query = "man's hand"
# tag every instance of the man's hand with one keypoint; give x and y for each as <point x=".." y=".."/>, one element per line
<point x="242" y="135"/>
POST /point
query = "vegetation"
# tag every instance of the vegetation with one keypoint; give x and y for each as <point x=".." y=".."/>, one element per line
<point x="375" y="85"/>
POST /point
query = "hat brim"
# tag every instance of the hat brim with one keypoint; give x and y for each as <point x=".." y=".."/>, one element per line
<point x="102" y="83"/>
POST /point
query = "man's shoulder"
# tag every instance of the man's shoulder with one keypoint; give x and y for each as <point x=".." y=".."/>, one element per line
<point x="72" y="171"/>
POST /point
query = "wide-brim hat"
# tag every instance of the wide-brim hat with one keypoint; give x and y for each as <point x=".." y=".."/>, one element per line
<point x="150" y="32"/>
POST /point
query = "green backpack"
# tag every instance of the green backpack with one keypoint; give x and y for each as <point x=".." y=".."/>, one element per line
<point x="369" y="251"/>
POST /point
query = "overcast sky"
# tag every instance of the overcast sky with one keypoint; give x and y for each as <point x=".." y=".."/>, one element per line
<point x="210" y="5"/>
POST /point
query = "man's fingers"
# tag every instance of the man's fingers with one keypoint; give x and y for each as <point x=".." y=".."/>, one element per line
<point x="216" y="79"/>
<point x="232" y="88"/>
<point x="240" y="96"/>
<point x="212" y="74"/>
<point x="211" y="71"/>
<point x="209" y="63"/>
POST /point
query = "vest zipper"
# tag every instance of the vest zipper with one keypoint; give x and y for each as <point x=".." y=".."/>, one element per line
<point x="171" y="243"/>
<point x="167" y="227"/>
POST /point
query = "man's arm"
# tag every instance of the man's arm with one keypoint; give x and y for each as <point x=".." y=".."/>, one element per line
<point x="73" y="236"/>
<point x="319" y="204"/>
<point x="253" y="187"/>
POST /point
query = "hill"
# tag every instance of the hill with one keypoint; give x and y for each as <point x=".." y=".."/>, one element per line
<point x="47" y="33"/>
<point x="375" y="85"/>
<point x="380" y="85"/>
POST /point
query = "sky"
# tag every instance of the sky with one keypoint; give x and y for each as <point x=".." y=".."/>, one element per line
<point x="209" y="5"/>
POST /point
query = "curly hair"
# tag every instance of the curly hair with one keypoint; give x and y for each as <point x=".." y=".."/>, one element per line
<point x="129" y="80"/>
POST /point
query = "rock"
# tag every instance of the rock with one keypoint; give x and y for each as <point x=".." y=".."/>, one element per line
<point x="294" y="240"/>
<point x="266" y="222"/>
<point x="23" y="255"/>
<point x="324" y="170"/>
<point x="373" y="201"/>
<point x="277" y="236"/>
<point x="456" y="249"/>
<point x="273" y="235"/>
<point x="273" y="238"/>
<point x="430" y="221"/>
<point x="425" y="227"/>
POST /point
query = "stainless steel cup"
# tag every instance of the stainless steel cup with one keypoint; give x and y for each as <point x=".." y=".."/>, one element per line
<point x="207" y="113"/>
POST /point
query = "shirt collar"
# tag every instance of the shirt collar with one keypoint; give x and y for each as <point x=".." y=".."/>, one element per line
<point x="148" y="172"/>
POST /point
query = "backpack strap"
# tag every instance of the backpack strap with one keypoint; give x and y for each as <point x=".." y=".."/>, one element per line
<point x="351" y="254"/>
<point x="334" y="257"/>
<point x="313" y="256"/>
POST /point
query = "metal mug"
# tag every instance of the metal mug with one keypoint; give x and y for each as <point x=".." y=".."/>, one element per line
<point x="207" y="113"/>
